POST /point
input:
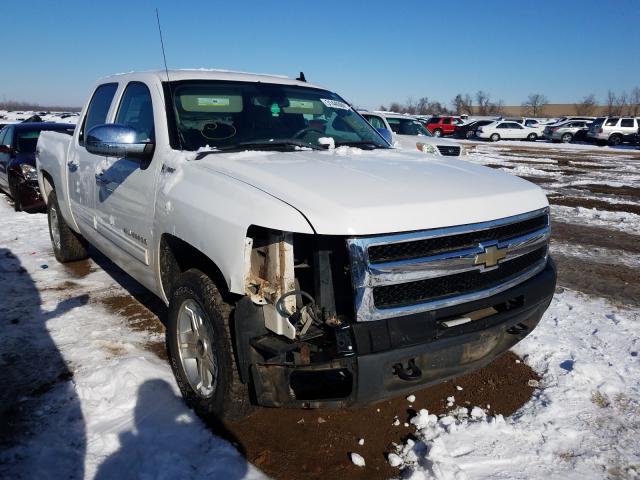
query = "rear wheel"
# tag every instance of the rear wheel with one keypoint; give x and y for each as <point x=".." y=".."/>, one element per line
<point x="68" y="246"/>
<point x="532" y="137"/>
<point x="615" y="140"/>
<point x="201" y="352"/>
<point x="566" y="138"/>
<point x="494" y="137"/>
<point x="469" y="134"/>
<point x="437" y="132"/>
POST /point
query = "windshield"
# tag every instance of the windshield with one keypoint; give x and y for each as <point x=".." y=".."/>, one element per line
<point x="408" y="126"/>
<point x="240" y="115"/>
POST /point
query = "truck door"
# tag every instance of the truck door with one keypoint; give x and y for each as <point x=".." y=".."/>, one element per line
<point x="126" y="198"/>
<point x="81" y="165"/>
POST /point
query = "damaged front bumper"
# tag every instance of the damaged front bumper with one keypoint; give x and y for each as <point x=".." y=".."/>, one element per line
<point x="396" y="356"/>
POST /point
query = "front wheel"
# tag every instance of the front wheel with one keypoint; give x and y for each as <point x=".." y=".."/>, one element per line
<point x="470" y="134"/>
<point x="68" y="246"/>
<point x="437" y="132"/>
<point x="494" y="137"/>
<point x="532" y="137"/>
<point x="200" y="350"/>
<point x="14" y="189"/>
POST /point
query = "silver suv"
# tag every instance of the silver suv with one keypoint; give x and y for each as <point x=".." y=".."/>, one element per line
<point x="614" y="130"/>
<point x="568" y="131"/>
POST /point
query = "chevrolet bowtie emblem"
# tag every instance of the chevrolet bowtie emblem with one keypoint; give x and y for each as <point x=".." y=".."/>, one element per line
<point x="491" y="256"/>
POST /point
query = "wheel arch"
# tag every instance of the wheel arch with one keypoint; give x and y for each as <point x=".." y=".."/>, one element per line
<point x="176" y="256"/>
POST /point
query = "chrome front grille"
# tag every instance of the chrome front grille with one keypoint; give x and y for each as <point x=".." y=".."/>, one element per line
<point x="450" y="151"/>
<point x="402" y="274"/>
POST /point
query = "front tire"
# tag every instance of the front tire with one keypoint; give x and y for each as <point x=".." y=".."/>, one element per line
<point x="200" y="350"/>
<point x="437" y="132"/>
<point x="68" y="246"/>
<point x="566" y="138"/>
<point x="470" y="134"/>
<point x="532" y="137"/>
<point x="494" y="137"/>
<point x="14" y="189"/>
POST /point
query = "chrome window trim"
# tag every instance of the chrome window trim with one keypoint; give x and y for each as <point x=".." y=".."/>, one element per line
<point x="366" y="275"/>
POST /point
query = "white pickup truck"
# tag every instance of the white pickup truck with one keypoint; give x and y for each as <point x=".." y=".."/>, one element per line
<point x="304" y="262"/>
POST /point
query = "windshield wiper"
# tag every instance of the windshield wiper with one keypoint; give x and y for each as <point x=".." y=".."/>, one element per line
<point x="364" y="144"/>
<point x="284" y="144"/>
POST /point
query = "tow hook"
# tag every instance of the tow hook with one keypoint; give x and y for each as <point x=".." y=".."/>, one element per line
<point x="408" y="373"/>
<point x="518" y="329"/>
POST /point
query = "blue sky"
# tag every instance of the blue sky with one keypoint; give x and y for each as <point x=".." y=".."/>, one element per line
<point x="371" y="52"/>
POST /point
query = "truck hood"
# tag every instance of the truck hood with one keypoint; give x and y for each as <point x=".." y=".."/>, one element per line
<point x="348" y="191"/>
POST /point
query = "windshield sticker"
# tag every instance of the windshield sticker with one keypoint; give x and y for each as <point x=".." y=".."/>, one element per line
<point x="307" y="105"/>
<point x="335" y="104"/>
<point x="275" y="110"/>
<point x="213" y="102"/>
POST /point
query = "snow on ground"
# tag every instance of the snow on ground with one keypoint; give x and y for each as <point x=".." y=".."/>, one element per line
<point x="542" y="144"/>
<point x="121" y="415"/>
<point x="583" y="422"/>
<point x="568" y="171"/>
<point x="19" y="116"/>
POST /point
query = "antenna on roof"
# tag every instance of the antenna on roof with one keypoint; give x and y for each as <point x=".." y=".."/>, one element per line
<point x="164" y="57"/>
<point x="301" y="78"/>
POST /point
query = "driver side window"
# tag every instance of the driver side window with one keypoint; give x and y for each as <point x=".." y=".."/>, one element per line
<point x="136" y="111"/>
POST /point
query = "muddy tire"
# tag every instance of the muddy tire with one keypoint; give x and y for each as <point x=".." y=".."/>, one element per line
<point x="494" y="137"/>
<point x="68" y="246"/>
<point x="437" y="132"/>
<point x="200" y="349"/>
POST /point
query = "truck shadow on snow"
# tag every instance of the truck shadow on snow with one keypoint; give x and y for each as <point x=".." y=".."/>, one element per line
<point x="169" y="442"/>
<point x="42" y="426"/>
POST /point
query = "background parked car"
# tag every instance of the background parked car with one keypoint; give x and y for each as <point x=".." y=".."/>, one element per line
<point x="18" y="176"/>
<point x="468" y="130"/>
<point x="440" y="126"/>
<point x="613" y="130"/>
<point x="506" y="130"/>
<point x="407" y="132"/>
<point x="567" y="131"/>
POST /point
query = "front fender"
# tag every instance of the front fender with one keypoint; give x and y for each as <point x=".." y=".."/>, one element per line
<point x="212" y="212"/>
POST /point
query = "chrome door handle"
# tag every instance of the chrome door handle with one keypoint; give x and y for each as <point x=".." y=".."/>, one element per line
<point x="72" y="166"/>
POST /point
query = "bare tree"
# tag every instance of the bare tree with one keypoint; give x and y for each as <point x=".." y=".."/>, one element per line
<point x="535" y="104"/>
<point x="423" y="106"/>
<point x="483" y="99"/>
<point x="382" y="108"/>
<point x="410" y="106"/>
<point x="621" y="103"/>
<point x="495" y="108"/>
<point x="611" y="103"/>
<point x="587" y="106"/>
<point x="462" y="104"/>
<point x="396" y="107"/>
<point x="634" y="102"/>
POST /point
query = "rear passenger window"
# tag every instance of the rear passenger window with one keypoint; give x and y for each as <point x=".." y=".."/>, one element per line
<point x="98" y="108"/>
<point x="447" y="121"/>
<point x="611" y="122"/>
<point x="136" y="111"/>
<point x="627" y="122"/>
<point x="376" y="122"/>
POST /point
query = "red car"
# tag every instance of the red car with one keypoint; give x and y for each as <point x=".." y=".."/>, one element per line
<point x="440" y="126"/>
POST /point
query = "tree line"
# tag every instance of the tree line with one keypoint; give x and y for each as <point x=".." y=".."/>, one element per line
<point x="12" y="105"/>
<point x="534" y="105"/>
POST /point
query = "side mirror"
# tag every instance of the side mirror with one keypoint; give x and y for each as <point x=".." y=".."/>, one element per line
<point x="386" y="134"/>
<point x="114" y="140"/>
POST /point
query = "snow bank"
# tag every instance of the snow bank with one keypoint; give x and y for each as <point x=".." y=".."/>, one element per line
<point x="583" y="422"/>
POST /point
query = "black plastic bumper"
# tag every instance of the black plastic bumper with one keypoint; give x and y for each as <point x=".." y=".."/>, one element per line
<point x="432" y="352"/>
